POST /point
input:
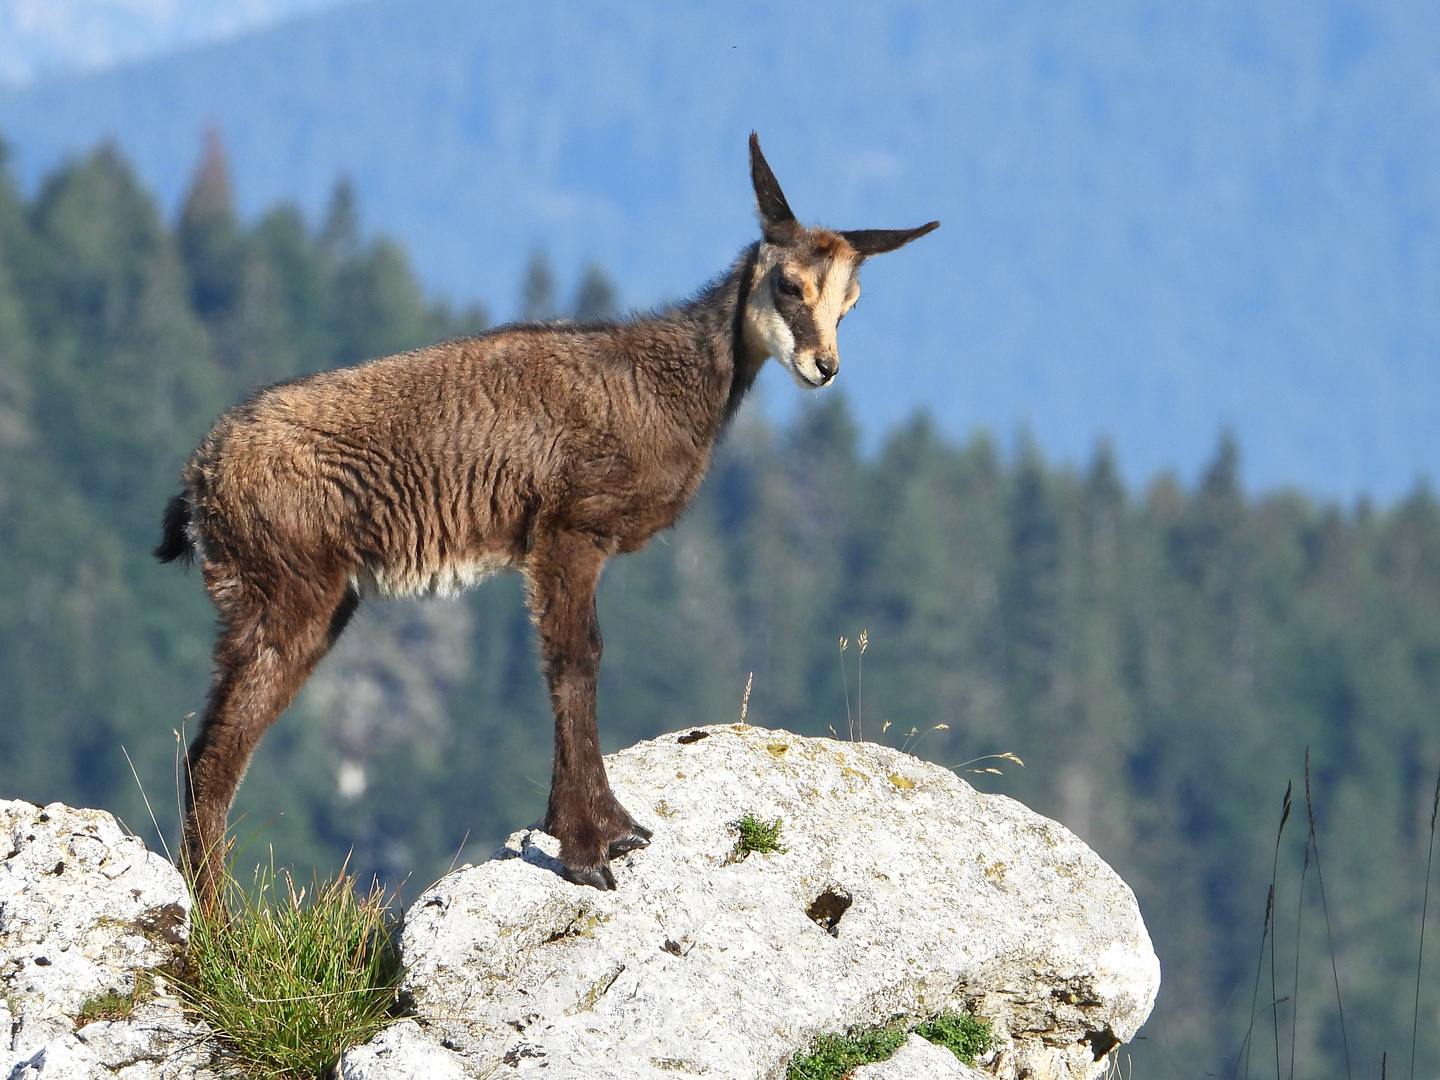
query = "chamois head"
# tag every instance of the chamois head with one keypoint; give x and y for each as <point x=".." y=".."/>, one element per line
<point x="805" y="280"/>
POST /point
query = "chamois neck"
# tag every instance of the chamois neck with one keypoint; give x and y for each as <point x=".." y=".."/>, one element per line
<point x="719" y="315"/>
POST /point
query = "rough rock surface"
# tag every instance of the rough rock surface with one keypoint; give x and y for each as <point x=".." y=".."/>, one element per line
<point x="155" y="1043"/>
<point x="902" y="891"/>
<point x="919" y="1060"/>
<point x="84" y="910"/>
<point x="404" y="1052"/>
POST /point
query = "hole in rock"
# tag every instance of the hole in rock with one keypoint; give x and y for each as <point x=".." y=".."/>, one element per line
<point x="694" y="736"/>
<point x="1101" y="1042"/>
<point x="825" y="910"/>
<point x="672" y="947"/>
<point x="166" y="922"/>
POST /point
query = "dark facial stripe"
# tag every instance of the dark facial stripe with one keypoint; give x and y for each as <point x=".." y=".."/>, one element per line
<point x="800" y="319"/>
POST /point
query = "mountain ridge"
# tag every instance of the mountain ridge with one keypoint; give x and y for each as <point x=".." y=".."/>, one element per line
<point x="1157" y="225"/>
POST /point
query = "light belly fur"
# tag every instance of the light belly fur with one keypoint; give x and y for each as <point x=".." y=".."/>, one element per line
<point x="449" y="579"/>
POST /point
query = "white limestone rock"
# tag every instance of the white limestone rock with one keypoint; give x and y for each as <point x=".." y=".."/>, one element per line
<point x="919" y="1060"/>
<point x="403" y="1052"/>
<point x="703" y="964"/>
<point x="155" y="1043"/>
<point x="85" y="909"/>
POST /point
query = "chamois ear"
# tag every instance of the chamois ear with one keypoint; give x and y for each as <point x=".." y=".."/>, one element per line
<point x="777" y="220"/>
<point x="878" y="241"/>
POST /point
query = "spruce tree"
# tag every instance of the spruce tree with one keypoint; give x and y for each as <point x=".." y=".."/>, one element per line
<point x="596" y="298"/>
<point x="209" y="237"/>
<point x="537" y="292"/>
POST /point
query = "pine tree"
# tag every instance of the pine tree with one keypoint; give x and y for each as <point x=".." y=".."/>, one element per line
<point x="208" y="236"/>
<point x="15" y="427"/>
<point x="1030" y="592"/>
<point x="294" y="274"/>
<point x="128" y="385"/>
<point x="596" y="297"/>
<point x="376" y="308"/>
<point x="537" y="293"/>
<point x="340" y="233"/>
<point x="924" y="587"/>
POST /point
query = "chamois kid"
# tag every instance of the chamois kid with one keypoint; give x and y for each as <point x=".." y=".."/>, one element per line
<point x="545" y="448"/>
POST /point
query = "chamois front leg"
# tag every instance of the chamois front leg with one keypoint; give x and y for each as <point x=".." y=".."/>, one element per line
<point x="562" y="572"/>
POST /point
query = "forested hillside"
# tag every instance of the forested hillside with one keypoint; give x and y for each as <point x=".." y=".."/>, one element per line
<point x="1160" y="659"/>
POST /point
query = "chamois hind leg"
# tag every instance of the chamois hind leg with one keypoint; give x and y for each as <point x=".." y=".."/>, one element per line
<point x="561" y="573"/>
<point x="270" y="641"/>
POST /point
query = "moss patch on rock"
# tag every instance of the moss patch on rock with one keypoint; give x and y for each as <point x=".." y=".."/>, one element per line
<point x="831" y="1057"/>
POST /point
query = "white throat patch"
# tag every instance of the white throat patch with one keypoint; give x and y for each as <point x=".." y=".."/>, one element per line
<point x="766" y="331"/>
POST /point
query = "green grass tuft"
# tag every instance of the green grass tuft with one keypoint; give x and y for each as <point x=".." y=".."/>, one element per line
<point x="965" y="1036"/>
<point x="292" y="978"/>
<point x="113" y="1005"/>
<point x="831" y="1057"/>
<point x="757" y="836"/>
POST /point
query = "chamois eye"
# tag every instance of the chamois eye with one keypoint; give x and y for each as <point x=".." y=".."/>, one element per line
<point x="788" y="286"/>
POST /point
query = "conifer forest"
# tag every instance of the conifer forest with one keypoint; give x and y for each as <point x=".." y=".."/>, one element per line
<point x="1160" y="658"/>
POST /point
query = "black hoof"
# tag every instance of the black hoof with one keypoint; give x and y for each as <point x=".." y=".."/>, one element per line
<point x="639" y="837"/>
<point x="598" y="877"/>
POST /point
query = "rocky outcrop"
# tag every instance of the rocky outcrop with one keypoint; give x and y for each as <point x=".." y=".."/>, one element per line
<point x="85" y="912"/>
<point x="900" y="891"/>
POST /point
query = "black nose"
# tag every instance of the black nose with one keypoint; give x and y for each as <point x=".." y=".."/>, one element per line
<point x="828" y="366"/>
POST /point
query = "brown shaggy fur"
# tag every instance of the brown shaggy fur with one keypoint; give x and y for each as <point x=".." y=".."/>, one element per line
<point x="542" y="448"/>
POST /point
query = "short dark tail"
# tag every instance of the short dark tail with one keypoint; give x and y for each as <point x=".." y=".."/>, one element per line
<point x="175" y="542"/>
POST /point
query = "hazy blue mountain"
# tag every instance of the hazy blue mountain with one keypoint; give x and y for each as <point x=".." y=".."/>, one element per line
<point x="46" y="37"/>
<point x="1159" y="219"/>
